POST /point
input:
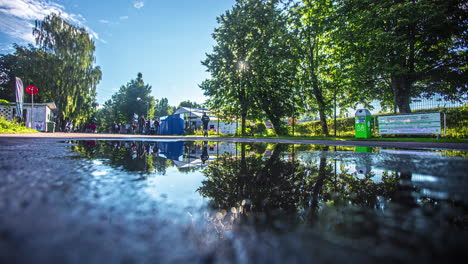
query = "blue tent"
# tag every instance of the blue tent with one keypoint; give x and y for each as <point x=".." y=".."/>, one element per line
<point x="172" y="150"/>
<point x="172" y="125"/>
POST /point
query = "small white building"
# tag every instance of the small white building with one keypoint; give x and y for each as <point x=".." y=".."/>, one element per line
<point x="35" y="118"/>
<point x="193" y="117"/>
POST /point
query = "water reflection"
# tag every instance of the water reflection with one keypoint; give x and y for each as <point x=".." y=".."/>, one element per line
<point x="276" y="186"/>
<point x="148" y="156"/>
<point x="308" y="190"/>
<point x="396" y="202"/>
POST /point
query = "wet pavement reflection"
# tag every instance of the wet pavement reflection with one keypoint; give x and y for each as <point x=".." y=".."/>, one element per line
<point x="394" y="204"/>
<point x="216" y="202"/>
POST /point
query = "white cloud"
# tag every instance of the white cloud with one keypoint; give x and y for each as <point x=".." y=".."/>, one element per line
<point x="17" y="28"/>
<point x="123" y="17"/>
<point x="17" y="17"/>
<point x="138" y="4"/>
<point x="104" y="21"/>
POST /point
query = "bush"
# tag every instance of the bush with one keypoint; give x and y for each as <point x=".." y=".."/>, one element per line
<point x="457" y="124"/>
<point x="344" y="127"/>
<point x="259" y="129"/>
<point x="13" y="127"/>
<point x="4" y="102"/>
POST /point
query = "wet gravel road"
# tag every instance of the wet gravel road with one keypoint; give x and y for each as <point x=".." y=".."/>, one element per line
<point x="53" y="212"/>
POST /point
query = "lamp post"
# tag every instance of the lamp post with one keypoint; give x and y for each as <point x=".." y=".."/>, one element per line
<point x="146" y="106"/>
<point x="139" y="99"/>
<point x="243" y="67"/>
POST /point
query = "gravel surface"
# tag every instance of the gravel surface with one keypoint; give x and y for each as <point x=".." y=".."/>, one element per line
<point x="54" y="211"/>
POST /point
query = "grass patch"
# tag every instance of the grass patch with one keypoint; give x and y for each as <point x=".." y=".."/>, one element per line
<point x="13" y="127"/>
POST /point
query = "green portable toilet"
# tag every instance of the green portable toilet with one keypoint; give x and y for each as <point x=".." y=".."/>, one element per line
<point x="362" y="123"/>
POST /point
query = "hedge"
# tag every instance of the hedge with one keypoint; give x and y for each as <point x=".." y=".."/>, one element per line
<point x="457" y="124"/>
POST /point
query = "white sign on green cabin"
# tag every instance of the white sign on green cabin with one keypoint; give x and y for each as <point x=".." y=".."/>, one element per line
<point x="428" y="123"/>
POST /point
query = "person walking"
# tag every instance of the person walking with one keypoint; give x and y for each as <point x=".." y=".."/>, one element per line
<point x="205" y="120"/>
<point x="204" y="156"/>
<point x="147" y="126"/>
<point x="156" y="126"/>
<point x="141" y="124"/>
<point x="115" y="127"/>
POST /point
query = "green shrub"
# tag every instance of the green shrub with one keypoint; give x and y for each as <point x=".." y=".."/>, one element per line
<point x="457" y="124"/>
<point x="344" y="127"/>
<point x="13" y="127"/>
<point x="4" y="102"/>
<point x="259" y="129"/>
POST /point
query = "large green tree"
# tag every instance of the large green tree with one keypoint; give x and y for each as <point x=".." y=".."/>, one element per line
<point x="133" y="98"/>
<point x="72" y="75"/>
<point x="405" y="48"/>
<point x="163" y="108"/>
<point x="252" y="65"/>
<point x="34" y="67"/>
<point x="61" y="66"/>
<point x="8" y="64"/>
<point x="320" y="75"/>
<point x="190" y="104"/>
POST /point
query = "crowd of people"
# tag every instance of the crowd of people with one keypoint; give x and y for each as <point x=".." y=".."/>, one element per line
<point x="140" y="126"/>
<point x="87" y="128"/>
<point x="137" y="149"/>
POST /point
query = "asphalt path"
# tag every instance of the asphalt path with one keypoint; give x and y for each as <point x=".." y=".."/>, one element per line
<point x="94" y="136"/>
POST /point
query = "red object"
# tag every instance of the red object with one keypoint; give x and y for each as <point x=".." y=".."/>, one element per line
<point x="31" y="89"/>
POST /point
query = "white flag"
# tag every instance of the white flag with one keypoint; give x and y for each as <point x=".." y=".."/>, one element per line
<point x="19" y="91"/>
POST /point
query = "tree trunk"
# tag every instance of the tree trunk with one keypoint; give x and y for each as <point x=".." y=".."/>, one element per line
<point x="243" y="117"/>
<point x="323" y="122"/>
<point x="401" y="86"/>
<point x="317" y="190"/>
<point x="278" y="126"/>
<point x="404" y="191"/>
<point x="322" y="106"/>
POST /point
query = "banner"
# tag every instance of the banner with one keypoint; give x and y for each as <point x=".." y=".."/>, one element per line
<point x="19" y="91"/>
<point x="424" y="123"/>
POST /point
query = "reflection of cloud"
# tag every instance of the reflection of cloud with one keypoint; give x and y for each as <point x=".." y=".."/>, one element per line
<point x="123" y="17"/>
<point x="138" y="4"/>
<point x="16" y="17"/>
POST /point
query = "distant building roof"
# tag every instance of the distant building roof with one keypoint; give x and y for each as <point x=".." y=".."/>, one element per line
<point x="195" y="112"/>
<point x="51" y="105"/>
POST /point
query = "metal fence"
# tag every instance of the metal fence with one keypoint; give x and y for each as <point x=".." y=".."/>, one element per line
<point x="420" y="103"/>
<point x="435" y="103"/>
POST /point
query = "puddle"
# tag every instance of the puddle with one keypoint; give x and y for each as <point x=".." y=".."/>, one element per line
<point x="217" y="202"/>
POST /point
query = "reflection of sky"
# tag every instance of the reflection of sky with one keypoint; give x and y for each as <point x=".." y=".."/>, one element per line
<point x="434" y="174"/>
<point x="175" y="188"/>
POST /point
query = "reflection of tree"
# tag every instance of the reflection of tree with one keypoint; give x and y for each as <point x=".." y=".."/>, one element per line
<point x="130" y="155"/>
<point x="275" y="185"/>
<point x="266" y="185"/>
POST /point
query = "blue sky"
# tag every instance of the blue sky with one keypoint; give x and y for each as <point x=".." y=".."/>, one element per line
<point x="164" y="40"/>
